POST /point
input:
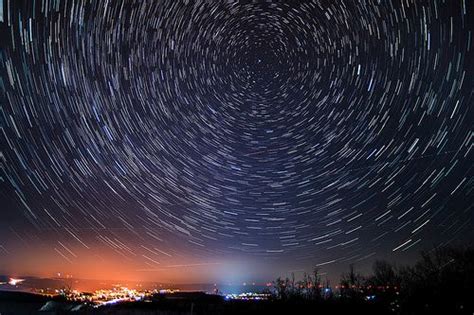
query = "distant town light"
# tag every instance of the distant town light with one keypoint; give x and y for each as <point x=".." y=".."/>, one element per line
<point x="15" y="282"/>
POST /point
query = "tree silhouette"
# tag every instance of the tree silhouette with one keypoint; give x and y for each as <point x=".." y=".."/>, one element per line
<point x="351" y="283"/>
<point x="440" y="282"/>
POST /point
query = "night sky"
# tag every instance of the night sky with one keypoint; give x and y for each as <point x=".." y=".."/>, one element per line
<point x="232" y="141"/>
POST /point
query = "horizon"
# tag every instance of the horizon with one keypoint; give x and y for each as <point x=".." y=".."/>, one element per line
<point x="332" y="278"/>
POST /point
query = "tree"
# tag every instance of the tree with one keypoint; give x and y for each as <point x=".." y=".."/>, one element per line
<point x="384" y="274"/>
<point x="440" y="282"/>
<point x="384" y="284"/>
<point x="316" y="293"/>
<point x="351" y="283"/>
<point x="281" y="287"/>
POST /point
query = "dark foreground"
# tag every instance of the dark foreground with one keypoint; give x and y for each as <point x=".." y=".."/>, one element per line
<point x="18" y="303"/>
<point x="195" y="303"/>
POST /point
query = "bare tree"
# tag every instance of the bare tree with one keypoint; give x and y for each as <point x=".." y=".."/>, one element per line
<point x="281" y="287"/>
<point x="350" y="283"/>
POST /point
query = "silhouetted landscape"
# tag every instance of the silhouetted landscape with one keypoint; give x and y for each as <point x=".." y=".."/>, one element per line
<point x="439" y="283"/>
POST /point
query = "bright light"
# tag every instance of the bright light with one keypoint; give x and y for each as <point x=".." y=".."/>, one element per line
<point x="14" y="282"/>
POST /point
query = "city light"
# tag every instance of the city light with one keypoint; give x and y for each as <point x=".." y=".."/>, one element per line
<point x="15" y="282"/>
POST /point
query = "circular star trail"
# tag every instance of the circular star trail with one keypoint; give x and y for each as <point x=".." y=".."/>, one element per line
<point x="317" y="131"/>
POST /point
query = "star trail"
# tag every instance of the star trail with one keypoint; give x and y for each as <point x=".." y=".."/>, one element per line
<point x="164" y="134"/>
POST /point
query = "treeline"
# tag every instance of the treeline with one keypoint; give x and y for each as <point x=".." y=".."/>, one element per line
<point x="440" y="282"/>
